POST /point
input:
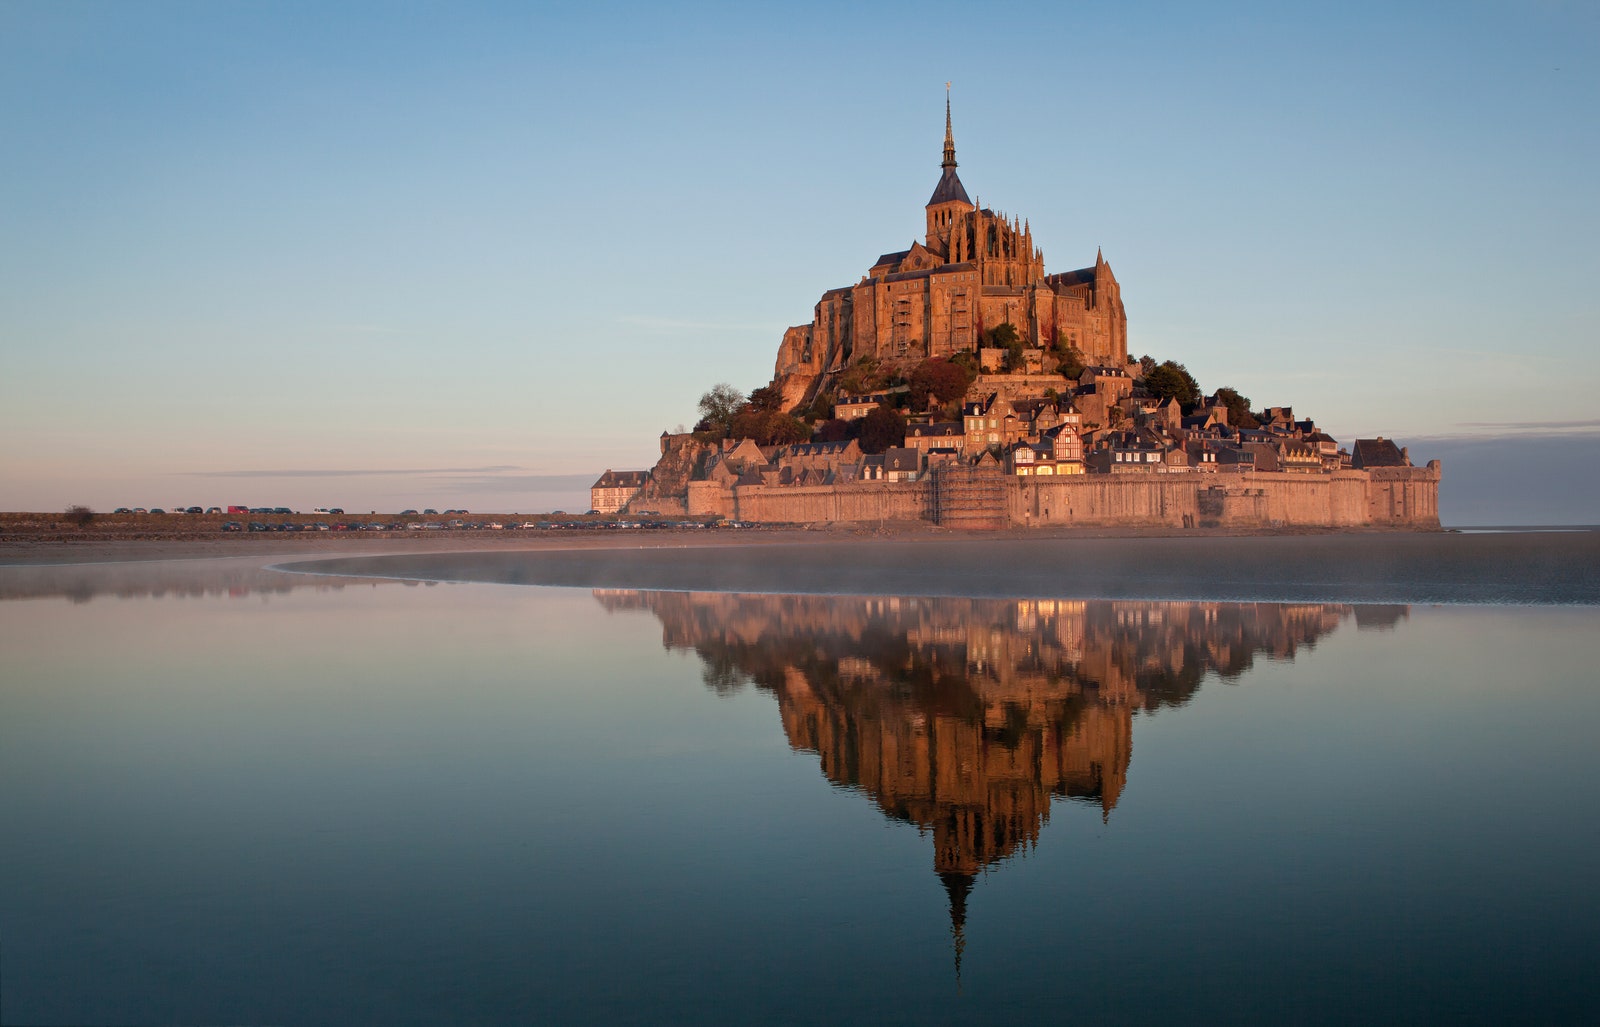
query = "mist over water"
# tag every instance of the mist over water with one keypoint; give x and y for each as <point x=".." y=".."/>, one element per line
<point x="1355" y="568"/>
<point x="237" y="795"/>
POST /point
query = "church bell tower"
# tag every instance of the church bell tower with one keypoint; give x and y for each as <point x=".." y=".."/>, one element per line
<point x="949" y="200"/>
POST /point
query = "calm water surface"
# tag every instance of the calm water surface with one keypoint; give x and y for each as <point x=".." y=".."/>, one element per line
<point x="232" y="796"/>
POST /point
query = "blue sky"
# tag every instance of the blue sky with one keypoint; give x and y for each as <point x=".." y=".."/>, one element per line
<point x="409" y="254"/>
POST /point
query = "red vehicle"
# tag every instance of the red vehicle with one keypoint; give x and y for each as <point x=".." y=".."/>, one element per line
<point x="238" y="509"/>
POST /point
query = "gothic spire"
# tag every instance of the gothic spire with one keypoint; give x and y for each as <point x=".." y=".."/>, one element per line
<point x="949" y="189"/>
<point x="949" y="139"/>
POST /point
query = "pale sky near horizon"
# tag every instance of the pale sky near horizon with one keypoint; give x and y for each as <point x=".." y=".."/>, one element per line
<point x="441" y="254"/>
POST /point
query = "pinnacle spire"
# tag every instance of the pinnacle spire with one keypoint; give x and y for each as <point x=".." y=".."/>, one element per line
<point x="949" y="138"/>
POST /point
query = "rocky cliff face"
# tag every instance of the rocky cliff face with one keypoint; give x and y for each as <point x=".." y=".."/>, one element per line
<point x="682" y="458"/>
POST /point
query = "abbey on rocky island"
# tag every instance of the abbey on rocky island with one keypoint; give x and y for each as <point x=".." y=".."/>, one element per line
<point x="973" y="270"/>
<point x="957" y="382"/>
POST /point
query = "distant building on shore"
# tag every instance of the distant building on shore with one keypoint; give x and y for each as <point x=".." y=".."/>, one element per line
<point x="616" y="489"/>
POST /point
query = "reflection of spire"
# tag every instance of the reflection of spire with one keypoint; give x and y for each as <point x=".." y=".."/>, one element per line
<point x="969" y="717"/>
<point x="957" y="886"/>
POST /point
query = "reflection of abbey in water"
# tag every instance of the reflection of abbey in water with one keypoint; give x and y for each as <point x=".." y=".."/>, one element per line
<point x="966" y="716"/>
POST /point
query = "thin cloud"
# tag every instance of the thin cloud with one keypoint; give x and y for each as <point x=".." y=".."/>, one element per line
<point x="351" y="472"/>
<point x="1532" y="425"/>
<point x="1520" y="436"/>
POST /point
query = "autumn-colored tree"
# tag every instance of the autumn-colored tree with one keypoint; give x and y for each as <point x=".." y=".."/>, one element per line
<point x="833" y="430"/>
<point x="768" y="427"/>
<point x="943" y="380"/>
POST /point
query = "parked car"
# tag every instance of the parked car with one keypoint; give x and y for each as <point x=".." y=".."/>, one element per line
<point x="235" y="526"/>
<point x="213" y="509"/>
<point x="258" y="526"/>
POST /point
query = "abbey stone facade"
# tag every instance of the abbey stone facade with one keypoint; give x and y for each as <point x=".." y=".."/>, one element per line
<point x="973" y="270"/>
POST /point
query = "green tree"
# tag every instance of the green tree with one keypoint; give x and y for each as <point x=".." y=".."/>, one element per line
<point x="1239" y="415"/>
<point x="861" y="378"/>
<point x="768" y="397"/>
<point x="1171" y="380"/>
<point x="1002" y="335"/>
<point x="1069" y="362"/>
<point x="821" y="407"/>
<point x="782" y="430"/>
<point x="718" y="407"/>
<point x="1015" y="361"/>
<point x="881" y="429"/>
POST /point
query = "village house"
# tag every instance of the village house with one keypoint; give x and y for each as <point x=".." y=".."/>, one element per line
<point x="1378" y="452"/>
<point x="1126" y="451"/>
<point x="943" y="435"/>
<point x="616" y="489"/>
<point x="854" y="408"/>
<point x="901" y="464"/>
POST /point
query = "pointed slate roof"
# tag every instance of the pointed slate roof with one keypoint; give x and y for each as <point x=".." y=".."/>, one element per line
<point x="949" y="189"/>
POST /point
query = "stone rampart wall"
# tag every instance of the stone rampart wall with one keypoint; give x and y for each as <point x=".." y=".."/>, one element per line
<point x="1389" y="497"/>
<point x="1397" y="497"/>
<point x="865" y="501"/>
